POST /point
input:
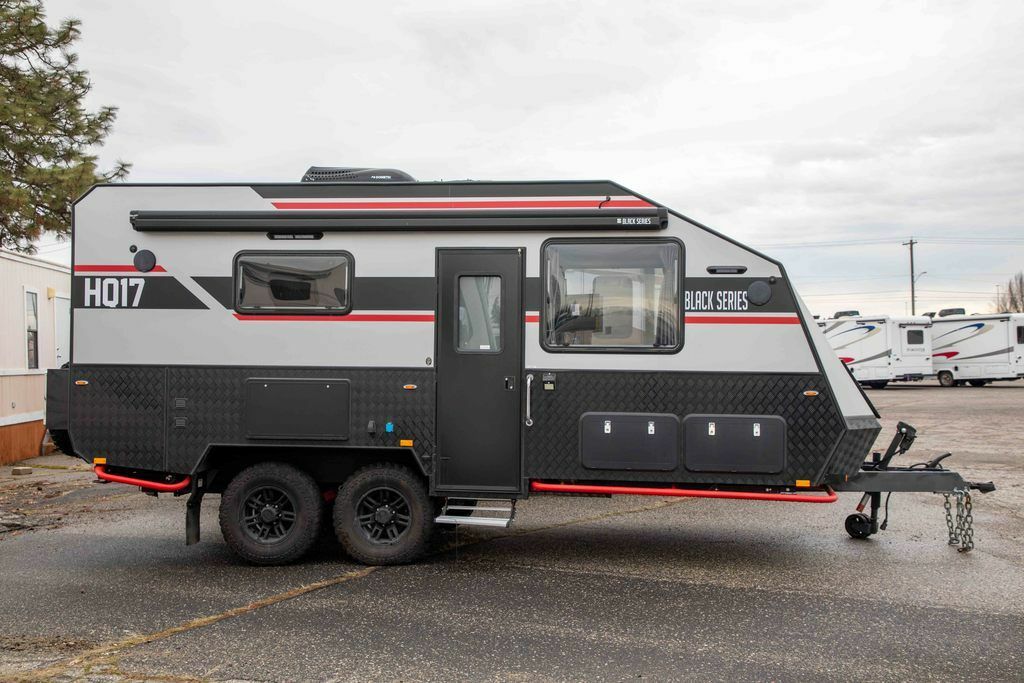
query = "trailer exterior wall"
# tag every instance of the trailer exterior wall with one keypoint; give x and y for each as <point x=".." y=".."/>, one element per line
<point x="170" y="360"/>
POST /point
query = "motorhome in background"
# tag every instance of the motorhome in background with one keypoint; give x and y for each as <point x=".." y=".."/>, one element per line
<point x="978" y="349"/>
<point x="880" y="349"/>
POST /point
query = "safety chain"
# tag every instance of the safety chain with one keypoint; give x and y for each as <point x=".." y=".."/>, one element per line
<point x="961" y="531"/>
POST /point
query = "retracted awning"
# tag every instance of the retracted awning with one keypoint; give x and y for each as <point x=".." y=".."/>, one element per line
<point x="278" y="222"/>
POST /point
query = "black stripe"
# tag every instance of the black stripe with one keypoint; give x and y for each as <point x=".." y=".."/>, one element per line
<point x="468" y="189"/>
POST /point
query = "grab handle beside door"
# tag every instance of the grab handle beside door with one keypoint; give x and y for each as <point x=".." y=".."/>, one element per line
<point x="529" y="385"/>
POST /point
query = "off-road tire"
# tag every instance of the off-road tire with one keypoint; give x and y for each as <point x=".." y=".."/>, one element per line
<point x="946" y="379"/>
<point x="413" y="540"/>
<point x="303" y="497"/>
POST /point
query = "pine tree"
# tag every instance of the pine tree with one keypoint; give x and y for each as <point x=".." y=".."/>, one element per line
<point x="46" y="134"/>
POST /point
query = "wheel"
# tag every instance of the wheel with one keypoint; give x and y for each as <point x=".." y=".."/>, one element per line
<point x="879" y="384"/>
<point x="461" y="502"/>
<point x="977" y="382"/>
<point x="270" y="513"/>
<point x="946" y="379"/>
<point x="383" y="515"/>
<point x="858" y="525"/>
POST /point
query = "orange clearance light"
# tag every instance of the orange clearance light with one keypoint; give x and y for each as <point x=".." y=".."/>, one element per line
<point x="409" y="387"/>
<point x="803" y="483"/>
<point x="81" y="382"/>
<point x="811" y="393"/>
<point x="99" y="461"/>
<point x="405" y="442"/>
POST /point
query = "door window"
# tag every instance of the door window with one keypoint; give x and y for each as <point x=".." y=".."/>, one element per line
<point x="479" y="314"/>
<point x="1020" y="334"/>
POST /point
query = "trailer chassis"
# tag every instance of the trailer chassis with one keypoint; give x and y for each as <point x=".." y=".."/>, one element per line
<point x="878" y="476"/>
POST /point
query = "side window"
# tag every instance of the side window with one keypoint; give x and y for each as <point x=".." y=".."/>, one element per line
<point x="915" y="336"/>
<point x="293" y="282"/>
<point x="479" y="314"/>
<point x="32" y="329"/>
<point x="612" y="295"/>
<point x="1020" y="334"/>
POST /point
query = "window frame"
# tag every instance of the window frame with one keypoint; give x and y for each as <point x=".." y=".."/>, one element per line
<point x="458" y="294"/>
<point x="350" y="278"/>
<point x="544" y="280"/>
<point x="25" y="291"/>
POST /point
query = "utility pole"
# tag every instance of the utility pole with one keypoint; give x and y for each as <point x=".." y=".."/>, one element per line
<point x="913" y="277"/>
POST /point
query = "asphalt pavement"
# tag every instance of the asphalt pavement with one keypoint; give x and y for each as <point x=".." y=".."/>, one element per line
<point x="97" y="584"/>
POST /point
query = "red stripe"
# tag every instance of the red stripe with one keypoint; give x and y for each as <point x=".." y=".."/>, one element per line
<point x="115" y="269"/>
<point x="829" y="497"/>
<point x="742" y="320"/>
<point x="502" y="204"/>
<point x="350" y="318"/>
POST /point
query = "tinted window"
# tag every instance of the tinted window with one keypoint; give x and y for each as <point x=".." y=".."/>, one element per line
<point x="612" y="295"/>
<point x="32" y="329"/>
<point x="1020" y="334"/>
<point x="479" y="314"/>
<point x="915" y="336"/>
<point x="292" y="282"/>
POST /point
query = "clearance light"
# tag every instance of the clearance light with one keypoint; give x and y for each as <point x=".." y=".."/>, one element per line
<point x="405" y="442"/>
<point x="99" y="461"/>
<point x="811" y="394"/>
<point x="803" y="483"/>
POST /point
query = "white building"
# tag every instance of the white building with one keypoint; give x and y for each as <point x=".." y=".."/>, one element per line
<point x="35" y="323"/>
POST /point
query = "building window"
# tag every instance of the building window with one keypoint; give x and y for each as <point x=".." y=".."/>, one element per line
<point x="32" y="329"/>
<point x="612" y="296"/>
<point x="479" y="314"/>
<point x="293" y="282"/>
<point x="915" y="336"/>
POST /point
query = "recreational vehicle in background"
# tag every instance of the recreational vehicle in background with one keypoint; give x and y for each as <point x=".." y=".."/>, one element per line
<point x="978" y="349"/>
<point x="880" y="349"/>
<point x="398" y="352"/>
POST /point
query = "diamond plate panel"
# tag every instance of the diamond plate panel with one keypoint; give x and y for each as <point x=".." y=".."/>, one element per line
<point x="854" y="448"/>
<point x="119" y="414"/>
<point x="214" y="408"/>
<point x="814" y="424"/>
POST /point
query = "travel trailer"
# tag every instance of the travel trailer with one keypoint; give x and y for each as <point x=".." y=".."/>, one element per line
<point x="978" y="349"/>
<point x="880" y="349"/>
<point x="414" y="354"/>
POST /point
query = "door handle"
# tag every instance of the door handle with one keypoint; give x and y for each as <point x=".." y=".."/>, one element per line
<point x="510" y="384"/>
<point x="529" y="383"/>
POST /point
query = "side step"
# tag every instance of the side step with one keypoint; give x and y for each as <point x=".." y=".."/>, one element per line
<point x="499" y="514"/>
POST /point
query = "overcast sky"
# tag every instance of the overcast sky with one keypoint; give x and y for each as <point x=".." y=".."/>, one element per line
<point x="778" y="123"/>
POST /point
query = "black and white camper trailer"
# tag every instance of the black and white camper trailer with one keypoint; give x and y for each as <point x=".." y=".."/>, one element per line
<point x="405" y="350"/>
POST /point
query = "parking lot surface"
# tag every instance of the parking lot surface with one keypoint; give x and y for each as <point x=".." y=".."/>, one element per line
<point x="97" y="584"/>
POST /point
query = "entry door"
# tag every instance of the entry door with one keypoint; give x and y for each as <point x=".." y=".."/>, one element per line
<point x="479" y="367"/>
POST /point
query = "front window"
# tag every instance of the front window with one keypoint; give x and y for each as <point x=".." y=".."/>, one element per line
<point x="915" y="336"/>
<point x="293" y="282"/>
<point x="604" y="295"/>
<point x="32" y="329"/>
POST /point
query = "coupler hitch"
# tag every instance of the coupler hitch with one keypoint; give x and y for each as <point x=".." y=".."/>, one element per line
<point x="877" y="476"/>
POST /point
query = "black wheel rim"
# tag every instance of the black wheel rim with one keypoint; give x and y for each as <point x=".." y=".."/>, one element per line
<point x="383" y="515"/>
<point x="268" y="514"/>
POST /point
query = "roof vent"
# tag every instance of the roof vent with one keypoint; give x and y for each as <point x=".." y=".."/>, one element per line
<point x="345" y="174"/>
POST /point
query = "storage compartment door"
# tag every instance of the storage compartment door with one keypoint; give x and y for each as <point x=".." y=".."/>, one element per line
<point x="748" y="444"/>
<point x="629" y="441"/>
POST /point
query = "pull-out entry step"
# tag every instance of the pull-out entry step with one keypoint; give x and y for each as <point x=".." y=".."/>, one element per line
<point x="493" y="512"/>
